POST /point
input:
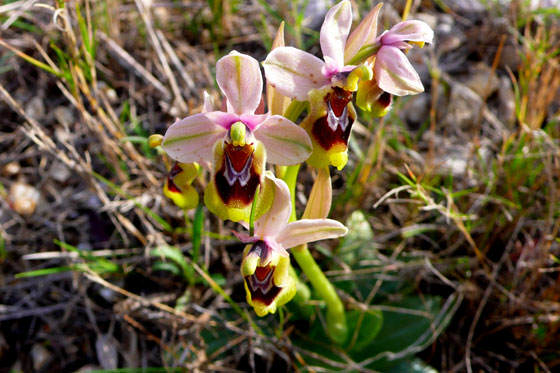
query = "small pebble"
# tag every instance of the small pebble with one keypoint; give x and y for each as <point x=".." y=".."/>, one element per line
<point x="23" y="198"/>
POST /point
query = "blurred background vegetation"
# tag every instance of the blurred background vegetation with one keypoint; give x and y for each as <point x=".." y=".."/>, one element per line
<point x="452" y="262"/>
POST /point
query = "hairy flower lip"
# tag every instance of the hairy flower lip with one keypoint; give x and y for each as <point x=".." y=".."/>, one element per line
<point x="237" y="178"/>
<point x="261" y="284"/>
<point x="233" y="173"/>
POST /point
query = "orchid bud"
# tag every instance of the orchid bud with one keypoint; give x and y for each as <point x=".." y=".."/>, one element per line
<point x="373" y="99"/>
<point x="155" y="140"/>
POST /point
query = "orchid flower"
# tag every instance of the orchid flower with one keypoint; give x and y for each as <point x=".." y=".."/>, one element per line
<point x="328" y="84"/>
<point x="394" y="74"/>
<point x="266" y="261"/>
<point x="238" y="140"/>
<point x="294" y="73"/>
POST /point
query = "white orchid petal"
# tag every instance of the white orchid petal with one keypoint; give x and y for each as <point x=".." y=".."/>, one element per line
<point x="285" y="142"/>
<point x="310" y="230"/>
<point x="364" y="34"/>
<point x="192" y="139"/>
<point x="395" y="74"/>
<point x="239" y="77"/>
<point x="293" y="72"/>
<point x="276" y="218"/>
<point x="334" y="31"/>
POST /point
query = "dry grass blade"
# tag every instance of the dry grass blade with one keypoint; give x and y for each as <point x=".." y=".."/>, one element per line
<point x="128" y="62"/>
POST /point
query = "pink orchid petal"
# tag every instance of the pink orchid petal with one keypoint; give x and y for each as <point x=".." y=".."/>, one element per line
<point x="244" y="237"/>
<point x="192" y="139"/>
<point x="310" y="230"/>
<point x="276" y="247"/>
<point x="276" y="218"/>
<point x="293" y="72"/>
<point x="364" y="34"/>
<point x="285" y="142"/>
<point x="222" y="119"/>
<point x="335" y="30"/>
<point x="253" y="121"/>
<point x="239" y="77"/>
<point x="330" y="68"/>
<point x="395" y="74"/>
<point x="413" y="30"/>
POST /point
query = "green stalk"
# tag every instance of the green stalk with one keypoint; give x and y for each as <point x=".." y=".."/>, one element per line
<point x="336" y="317"/>
<point x="290" y="177"/>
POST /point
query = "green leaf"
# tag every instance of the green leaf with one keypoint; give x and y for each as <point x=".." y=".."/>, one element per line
<point x="167" y="267"/>
<point x="356" y="245"/>
<point x="198" y="223"/>
<point x="367" y="323"/>
<point x="177" y="257"/>
<point x="43" y="272"/>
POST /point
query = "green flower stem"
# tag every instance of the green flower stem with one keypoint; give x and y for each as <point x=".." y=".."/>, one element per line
<point x="293" y="111"/>
<point x="290" y="177"/>
<point x="336" y="317"/>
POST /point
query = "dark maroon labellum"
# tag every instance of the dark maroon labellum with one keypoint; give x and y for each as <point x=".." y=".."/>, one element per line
<point x="385" y="99"/>
<point x="261" y="285"/>
<point x="237" y="180"/>
<point x="334" y="128"/>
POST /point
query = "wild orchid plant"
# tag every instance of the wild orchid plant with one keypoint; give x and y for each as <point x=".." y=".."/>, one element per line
<point x="238" y="143"/>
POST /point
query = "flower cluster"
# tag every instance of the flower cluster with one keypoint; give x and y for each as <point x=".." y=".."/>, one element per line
<point x="239" y="142"/>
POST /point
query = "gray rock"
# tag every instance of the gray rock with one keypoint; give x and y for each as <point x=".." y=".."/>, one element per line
<point x="35" y="108"/>
<point x="448" y="37"/>
<point x="417" y="109"/>
<point x="463" y="108"/>
<point x="59" y="172"/>
<point x="64" y="115"/>
<point x="482" y="80"/>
